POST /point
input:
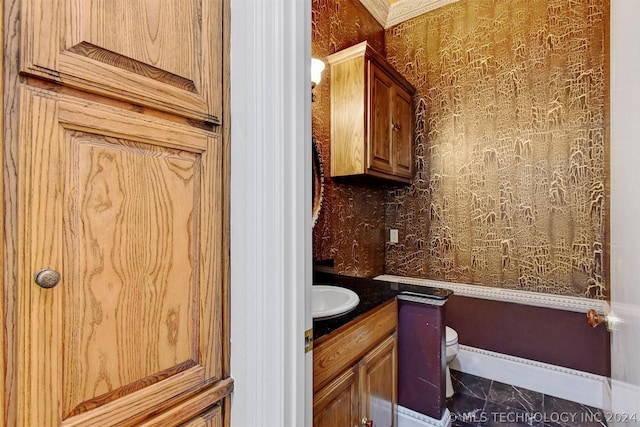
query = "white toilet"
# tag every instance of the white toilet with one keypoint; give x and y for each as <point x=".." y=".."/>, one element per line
<point x="451" y="339"/>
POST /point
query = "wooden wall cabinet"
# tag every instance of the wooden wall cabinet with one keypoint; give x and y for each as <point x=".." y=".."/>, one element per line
<point x="116" y="178"/>
<point x="355" y="372"/>
<point x="371" y="117"/>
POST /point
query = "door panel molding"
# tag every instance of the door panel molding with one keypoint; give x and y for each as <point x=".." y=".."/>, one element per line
<point x="168" y="61"/>
<point x="128" y="208"/>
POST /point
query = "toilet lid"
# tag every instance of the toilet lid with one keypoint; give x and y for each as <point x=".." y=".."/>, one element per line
<point x="451" y="335"/>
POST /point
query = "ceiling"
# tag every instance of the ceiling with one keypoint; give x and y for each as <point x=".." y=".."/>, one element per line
<point x="391" y="12"/>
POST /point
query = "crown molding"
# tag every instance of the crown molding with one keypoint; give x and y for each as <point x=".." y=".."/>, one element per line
<point x="379" y="9"/>
<point x="392" y="12"/>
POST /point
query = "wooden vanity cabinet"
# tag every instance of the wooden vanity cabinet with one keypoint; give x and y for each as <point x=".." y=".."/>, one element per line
<point x="371" y="117"/>
<point x="355" y="372"/>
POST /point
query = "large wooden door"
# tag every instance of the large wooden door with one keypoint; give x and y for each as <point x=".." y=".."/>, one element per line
<point x="127" y="208"/>
<point x="115" y="180"/>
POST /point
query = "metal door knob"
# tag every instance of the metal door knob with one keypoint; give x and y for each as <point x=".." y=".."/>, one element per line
<point x="610" y="320"/>
<point x="47" y="278"/>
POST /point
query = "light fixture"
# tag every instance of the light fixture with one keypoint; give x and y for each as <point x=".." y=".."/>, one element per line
<point x="317" y="66"/>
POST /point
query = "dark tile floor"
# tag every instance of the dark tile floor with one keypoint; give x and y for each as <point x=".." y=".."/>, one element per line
<point x="482" y="402"/>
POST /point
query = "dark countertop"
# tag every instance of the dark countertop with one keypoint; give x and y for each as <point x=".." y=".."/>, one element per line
<point x="372" y="293"/>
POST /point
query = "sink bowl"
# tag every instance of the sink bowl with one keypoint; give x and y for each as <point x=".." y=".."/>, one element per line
<point x="328" y="301"/>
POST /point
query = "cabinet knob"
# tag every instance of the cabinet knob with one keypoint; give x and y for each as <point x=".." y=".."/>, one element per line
<point x="47" y="278"/>
<point x="366" y="422"/>
<point x="395" y="126"/>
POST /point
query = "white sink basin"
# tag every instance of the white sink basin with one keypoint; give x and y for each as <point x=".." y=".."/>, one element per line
<point x="330" y="301"/>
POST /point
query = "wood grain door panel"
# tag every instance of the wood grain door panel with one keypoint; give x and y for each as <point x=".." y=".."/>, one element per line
<point x="378" y="388"/>
<point x="210" y="418"/>
<point x="337" y="404"/>
<point x="403" y="133"/>
<point x="129" y="236"/>
<point x="127" y="208"/>
<point x="166" y="55"/>
<point x="381" y="156"/>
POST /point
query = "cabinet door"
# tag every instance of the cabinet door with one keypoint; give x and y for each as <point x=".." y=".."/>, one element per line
<point x="336" y="404"/>
<point x="402" y="133"/>
<point x="381" y="156"/>
<point x="128" y="209"/>
<point x="378" y="383"/>
<point x="163" y="54"/>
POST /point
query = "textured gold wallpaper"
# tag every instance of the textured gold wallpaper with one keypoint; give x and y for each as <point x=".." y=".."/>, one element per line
<point x="350" y="228"/>
<point x="511" y="146"/>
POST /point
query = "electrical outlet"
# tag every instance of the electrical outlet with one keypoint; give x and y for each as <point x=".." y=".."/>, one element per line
<point x="393" y="236"/>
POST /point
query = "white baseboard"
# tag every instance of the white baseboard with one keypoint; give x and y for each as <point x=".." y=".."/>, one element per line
<point x="409" y="418"/>
<point x="582" y="387"/>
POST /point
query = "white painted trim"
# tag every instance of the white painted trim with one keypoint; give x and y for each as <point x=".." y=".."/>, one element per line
<point x="624" y="209"/>
<point x="428" y="301"/>
<point x="409" y="418"/>
<point x="537" y="299"/>
<point x="270" y="211"/>
<point x="379" y="9"/>
<point x="389" y="14"/>
<point x="569" y="384"/>
<point x="626" y="399"/>
<point x="407" y="9"/>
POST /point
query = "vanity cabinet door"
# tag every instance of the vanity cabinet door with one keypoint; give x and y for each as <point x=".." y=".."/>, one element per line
<point x="367" y="390"/>
<point x="337" y="403"/>
<point x="378" y="379"/>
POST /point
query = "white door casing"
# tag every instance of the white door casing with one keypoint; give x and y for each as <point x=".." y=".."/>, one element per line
<point x="258" y="381"/>
<point x="625" y="209"/>
<point x="270" y="212"/>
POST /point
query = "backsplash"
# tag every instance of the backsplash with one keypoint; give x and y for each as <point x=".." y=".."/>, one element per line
<point x="511" y="147"/>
